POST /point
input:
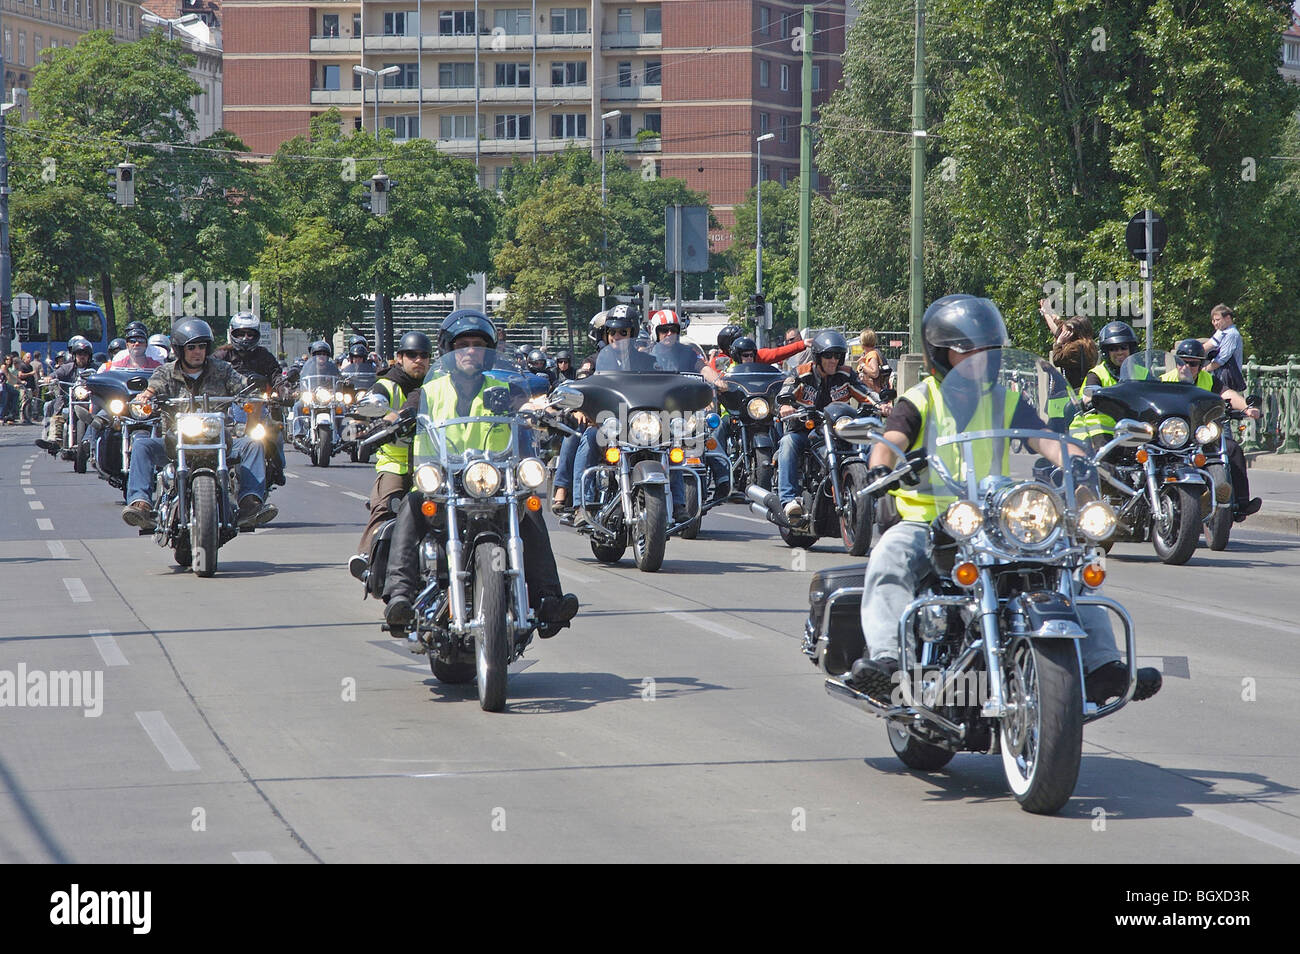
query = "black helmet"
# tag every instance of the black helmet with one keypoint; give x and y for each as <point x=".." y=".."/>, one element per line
<point x="624" y="311"/>
<point x="463" y="322"/>
<point x="1116" y="333"/>
<point x="359" y="351"/>
<point x="622" y="317"/>
<point x="245" y="331"/>
<point x="537" y="360"/>
<point x="321" y="348"/>
<point x="742" y="346"/>
<point x="135" y="329"/>
<point x="1189" y="349"/>
<point x="727" y="337"/>
<point x="563" y="356"/>
<point x="190" y="331"/>
<point x="358" y="340"/>
<point x="962" y="323"/>
<point x="829" y="343"/>
<point x="415" y="341"/>
<point x="116" y="345"/>
<point x="78" y="343"/>
<point x="99" y="357"/>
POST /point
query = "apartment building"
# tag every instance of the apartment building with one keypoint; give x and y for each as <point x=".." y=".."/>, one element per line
<point x="200" y="32"/>
<point x="693" y="82"/>
<point x="33" y="26"/>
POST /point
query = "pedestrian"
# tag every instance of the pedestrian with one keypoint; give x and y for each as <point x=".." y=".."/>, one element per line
<point x="871" y="364"/>
<point x="1225" y="349"/>
<point x="8" y="390"/>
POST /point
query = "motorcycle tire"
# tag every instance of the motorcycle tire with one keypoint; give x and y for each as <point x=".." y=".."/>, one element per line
<point x="1042" y="743"/>
<point x="914" y="753"/>
<point x="1183" y="509"/>
<point x="182" y="555"/>
<point x="763" y="469"/>
<point x="492" y="640"/>
<point x="323" y="446"/>
<point x="691" y="501"/>
<point x="453" y="674"/>
<point x="205" y="529"/>
<point x="859" y="515"/>
<point x="1219" y="527"/>
<point x="649" y="529"/>
<point x="352" y="453"/>
<point x="82" y="458"/>
<point x="610" y="554"/>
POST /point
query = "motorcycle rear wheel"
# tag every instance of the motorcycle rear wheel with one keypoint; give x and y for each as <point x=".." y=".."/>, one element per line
<point x="453" y="674"/>
<point x="914" y="753"/>
<point x="492" y="641"/>
<point x="1183" y="512"/>
<point x="1042" y="741"/>
<point x="204" y="529"/>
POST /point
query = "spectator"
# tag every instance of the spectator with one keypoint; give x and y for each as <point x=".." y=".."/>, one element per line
<point x="1225" y="350"/>
<point x="871" y="365"/>
<point x="8" y="390"/>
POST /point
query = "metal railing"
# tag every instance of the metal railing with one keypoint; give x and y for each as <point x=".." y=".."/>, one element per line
<point x="1278" y="386"/>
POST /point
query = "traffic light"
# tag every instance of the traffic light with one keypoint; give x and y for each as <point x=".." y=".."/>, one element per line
<point x="379" y="188"/>
<point x="756" y="305"/>
<point x="125" y="184"/>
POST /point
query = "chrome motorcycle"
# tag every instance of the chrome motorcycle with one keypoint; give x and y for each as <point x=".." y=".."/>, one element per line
<point x="322" y="401"/>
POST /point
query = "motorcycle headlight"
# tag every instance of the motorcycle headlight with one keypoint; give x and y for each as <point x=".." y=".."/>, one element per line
<point x="1029" y="515"/>
<point x="1097" y="520"/>
<point x="963" y="519"/>
<point x="258" y="432"/>
<point x="338" y="396"/>
<point x="481" y="479"/>
<point x="190" y="425"/>
<point x="644" y="428"/>
<point x="610" y="429"/>
<point x="1173" y="432"/>
<point x="81" y="392"/>
<point x="758" y="408"/>
<point x="532" y="473"/>
<point x="428" y="478"/>
<point x="1208" y="433"/>
<point x="305" y="397"/>
<point x="347" y="398"/>
<point x="322" y="395"/>
<point x="116" y="406"/>
<point x="679" y="427"/>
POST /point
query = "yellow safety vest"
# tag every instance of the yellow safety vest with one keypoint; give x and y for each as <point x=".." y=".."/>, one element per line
<point x="440" y="399"/>
<point x="395" y="456"/>
<point x="1094" y="423"/>
<point x="923" y="504"/>
<point x="1204" y="379"/>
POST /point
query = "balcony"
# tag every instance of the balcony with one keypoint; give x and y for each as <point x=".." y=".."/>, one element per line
<point x="631" y="41"/>
<point x="352" y="97"/>
<point x="378" y="43"/>
<point x="335" y="44"/>
<point x="632" y="147"/>
<point x="633" y="93"/>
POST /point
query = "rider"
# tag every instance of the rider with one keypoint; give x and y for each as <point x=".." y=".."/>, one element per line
<point x="245" y="353"/>
<point x="812" y="385"/>
<point x="564" y="366"/>
<point x="1190" y="357"/>
<point x="1116" y="342"/>
<point x="727" y="339"/>
<point x="194" y="373"/>
<point x="956" y="329"/>
<point x="538" y="364"/>
<point x="135" y="355"/>
<point x="460" y="394"/>
<point x="393" y="460"/>
<point x="83" y="353"/>
<point x="115" y="347"/>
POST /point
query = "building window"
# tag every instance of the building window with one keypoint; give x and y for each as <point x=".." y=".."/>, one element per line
<point x="785" y="128"/>
<point x="78" y="8"/>
<point x="785" y="175"/>
<point x="130" y="15"/>
<point x="654" y="122"/>
<point x="329" y="25"/>
<point x="356" y="123"/>
<point x="119" y="14"/>
<point x="514" y="126"/>
<point x="624" y="19"/>
<point x="568" y="20"/>
<point x="785" y="77"/>
<point x="407" y="77"/>
<point x="403" y="127"/>
<point x="787" y="23"/>
<point x="514" y="22"/>
<point x="22" y="48"/>
<point x="624" y="75"/>
<point x="624" y="127"/>
<point x="765" y="21"/>
<point x="765" y="173"/>
<point x="356" y="80"/>
<point x="403" y="23"/>
<point x="108" y="11"/>
<point x="764" y="123"/>
<point x="329" y="77"/>
<point x="653" y="73"/>
<point x="456" y="75"/>
<point x="1291" y="53"/>
<point x="356" y="24"/>
<point x="569" y="74"/>
<point x="514" y="74"/>
<point x="456" y="127"/>
<point x="456" y="23"/>
<point x="38" y="44"/>
<point x="653" y="20"/>
<point x="569" y="126"/>
<point x="817" y="78"/>
<point x="764" y="74"/>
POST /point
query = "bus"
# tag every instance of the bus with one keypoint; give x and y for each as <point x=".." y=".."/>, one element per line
<point x="49" y="335"/>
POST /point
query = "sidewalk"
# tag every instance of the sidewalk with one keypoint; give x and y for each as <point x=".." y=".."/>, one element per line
<point x="1276" y="479"/>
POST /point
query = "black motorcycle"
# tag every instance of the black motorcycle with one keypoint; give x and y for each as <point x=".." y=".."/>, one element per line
<point x="112" y="428"/>
<point x="750" y="402"/>
<point x="831" y="486"/>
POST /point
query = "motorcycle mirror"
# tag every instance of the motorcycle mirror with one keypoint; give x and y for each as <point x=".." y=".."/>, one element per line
<point x="1131" y="429"/>
<point x="888" y="395"/>
<point x="373" y="405"/>
<point x="857" y="430"/>
<point x="567" y="398"/>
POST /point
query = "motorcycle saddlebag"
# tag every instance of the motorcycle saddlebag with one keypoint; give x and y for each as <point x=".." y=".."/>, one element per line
<point x="378" y="566"/>
<point x="844" y="636"/>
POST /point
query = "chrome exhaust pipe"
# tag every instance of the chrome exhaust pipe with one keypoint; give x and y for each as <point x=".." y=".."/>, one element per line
<point x="760" y="510"/>
<point x="757" y="495"/>
<point x="838" y="690"/>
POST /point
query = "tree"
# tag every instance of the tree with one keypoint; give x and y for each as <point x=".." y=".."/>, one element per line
<point x="780" y="252"/>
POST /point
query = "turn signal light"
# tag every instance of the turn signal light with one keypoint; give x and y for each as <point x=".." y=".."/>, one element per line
<point x="248" y="409"/>
<point x="808" y="425"/>
<point x="612" y="455"/>
<point x="711" y="443"/>
<point x="966" y="574"/>
<point x="692" y="462"/>
<point x="533" y="503"/>
<point x="1094" y="574"/>
<point x="1142" y="456"/>
<point x="1200" y="460"/>
<point x="676" y="455"/>
<point x="429" y="508"/>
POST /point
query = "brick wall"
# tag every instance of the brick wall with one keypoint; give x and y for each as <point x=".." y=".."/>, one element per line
<point x="278" y="29"/>
<point x="265" y="131"/>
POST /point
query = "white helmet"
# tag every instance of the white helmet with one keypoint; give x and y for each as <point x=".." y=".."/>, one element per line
<point x="238" y="333"/>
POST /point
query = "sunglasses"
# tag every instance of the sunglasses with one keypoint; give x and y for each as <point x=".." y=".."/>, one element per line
<point x="621" y="333"/>
<point x="136" y="340"/>
<point x="246" y="334"/>
<point x="1190" y="362"/>
<point x="416" y="355"/>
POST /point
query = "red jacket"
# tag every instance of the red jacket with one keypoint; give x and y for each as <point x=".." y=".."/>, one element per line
<point x="765" y="355"/>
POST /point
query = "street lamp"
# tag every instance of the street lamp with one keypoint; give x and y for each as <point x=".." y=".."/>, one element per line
<point x="604" y="242"/>
<point x="367" y="71"/>
<point x="758" y="244"/>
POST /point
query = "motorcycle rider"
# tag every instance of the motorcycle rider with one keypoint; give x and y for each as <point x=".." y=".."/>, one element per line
<point x="83" y="353"/>
<point x="1189" y="355"/>
<point x="136" y="353"/>
<point x="539" y="364"/>
<point x="160" y="348"/>
<point x="814" y="385"/>
<point x="460" y="394"/>
<point x="1116" y="342"/>
<point x="727" y="339"/>
<point x="194" y="372"/>
<point x="393" y="460"/>
<point x="956" y="329"/>
<point x="245" y="353"/>
<point x="564" y="366"/>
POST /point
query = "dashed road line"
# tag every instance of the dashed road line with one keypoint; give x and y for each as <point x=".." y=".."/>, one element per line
<point x="708" y="625"/>
<point x="108" y="648"/>
<point x="76" y="589"/>
<point x="253" y="857"/>
<point x="318" y="483"/>
<point x="1249" y="829"/>
<point x="291" y="476"/>
<point x="57" y="550"/>
<point x="43" y="523"/>
<point x="736" y="516"/>
<point x="167" y="742"/>
<point x="30" y="491"/>
<point x="355" y="496"/>
<point x="25" y="481"/>
<point x="36" y="505"/>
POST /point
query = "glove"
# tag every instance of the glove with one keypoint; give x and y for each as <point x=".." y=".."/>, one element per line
<point x="874" y="474"/>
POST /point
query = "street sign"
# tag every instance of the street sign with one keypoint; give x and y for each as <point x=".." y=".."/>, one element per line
<point x="24" y="306"/>
<point x="691" y="239"/>
<point x="1135" y="236"/>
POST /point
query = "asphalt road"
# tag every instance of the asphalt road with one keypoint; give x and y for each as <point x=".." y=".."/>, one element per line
<point x="263" y="716"/>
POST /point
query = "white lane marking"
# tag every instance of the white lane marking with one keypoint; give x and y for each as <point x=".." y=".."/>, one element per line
<point x="709" y="625"/>
<point x="76" y="589"/>
<point x="30" y="491"/>
<point x="576" y="577"/>
<point x="36" y="505"/>
<point x="1249" y="829"/>
<point x="355" y="496"/>
<point x="167" y="742"/>
<point x="253" y="857"/>
<point x="291" y="476"/>
<point x="318" y="483"/>
<point x="43" y="523"/>
<point x="108" y="648"/>
<point x="736" y="516"/>
<point x="1236" y="617"/>
<point x="57" y="550"/>
<point x="25" y="480"/>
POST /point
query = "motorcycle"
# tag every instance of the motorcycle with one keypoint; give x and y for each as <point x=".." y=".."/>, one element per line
<point x="355" y="384"/>
<point x="323" y="401"/>
<point x="750" y="400"/>
<point x="834" y="474"/>
<point x="68" y="427"/>
<point x="1165" y="471"/>
<point x="989" y="650"/>
<point x="112" y="427"/>
<point x="647" y="421"/>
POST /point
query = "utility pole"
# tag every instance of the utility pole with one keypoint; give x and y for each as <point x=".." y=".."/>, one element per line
<point x="6" y="293"/>
<point x="805" y="171"/>
<point x="918" y="184"/>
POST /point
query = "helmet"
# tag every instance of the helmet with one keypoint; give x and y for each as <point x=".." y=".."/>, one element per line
<point x="962" y="323"/>
<point x="135" y="329"/>
<point x="563" y="356"/>
<point x="828" y="344"/>
<point x="621" y="318"/>
<point x="1116" y="333"/>
<point x="160" y="341"/>
<point x="1190" y="349"/>
<point x="415" y="341"/>
<point x="596" y="329"/>
<point x="741" y="346"/>
<point x="664" y="320"/>
<point x="78" y="343"/>
<point x="240" y="326"/>
<point x="359" y="351"/>
<point x="623" y="311"/>
<point x="99" y="357"/>
<point x="116" y="345"/>
<point x="321" y="348"/>
<point x="537" y="360"/>
<point x="190" y="331"/>
<point x="355" y="340"/>
<point x="463" y="322"/>
<point x="728" y="335"/>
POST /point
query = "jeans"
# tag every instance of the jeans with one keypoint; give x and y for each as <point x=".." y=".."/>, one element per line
<point x="564" y="463"/>
<point x="897" y="565"/>
<point x="789" y="465"/>
<point x="581" y="458"/>
<point x="149" y="455"/>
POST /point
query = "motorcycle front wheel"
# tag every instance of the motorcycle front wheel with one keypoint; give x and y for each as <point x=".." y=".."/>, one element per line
<point x="859" y="512"/>
<point x="1177" y="528"/>
<point x="649" y="527"/>
<point x="1219" y="526"/>
<point x="204" y="528"/>
<point x="691" y="501"/>
<point x="1042" y="737"/>
<point x="492" y="641"/>
<point x="323" y="446"/>
<point x="763" y="469"/>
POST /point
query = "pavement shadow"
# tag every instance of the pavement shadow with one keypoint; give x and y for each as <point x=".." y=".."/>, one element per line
<point x="1198" y="559"/>
<point x="534" y="692"/>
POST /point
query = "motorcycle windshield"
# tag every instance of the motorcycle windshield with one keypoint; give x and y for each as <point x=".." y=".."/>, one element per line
<point x="467" y="413"/>
<point x="361" y="379"/>
<point x="1149" y="366"/>
<point x="622" y="356"/>
<point x="987" y="437"/>
<point x="319" y="372"/>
